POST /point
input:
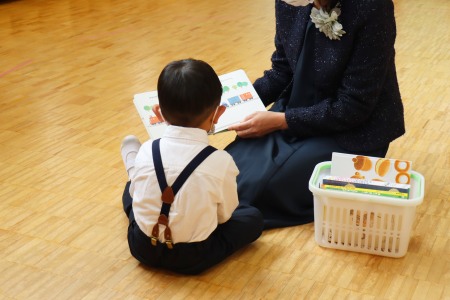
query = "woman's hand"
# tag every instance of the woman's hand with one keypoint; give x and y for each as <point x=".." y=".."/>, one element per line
<point x="260" y="123"/>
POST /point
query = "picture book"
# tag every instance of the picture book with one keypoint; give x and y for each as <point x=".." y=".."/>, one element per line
<point x="396" y="190"/>
<point x="359" y="190"/>
<point x="238" y="96"/>
<point x="371" y="168"/>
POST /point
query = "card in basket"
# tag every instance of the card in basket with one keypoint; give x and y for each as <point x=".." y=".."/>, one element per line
<point x="371" y="168"/>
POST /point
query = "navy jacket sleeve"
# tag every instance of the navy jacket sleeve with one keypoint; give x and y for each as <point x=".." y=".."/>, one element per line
<point x="275" y="80"/>
<point x="278" y="79"/>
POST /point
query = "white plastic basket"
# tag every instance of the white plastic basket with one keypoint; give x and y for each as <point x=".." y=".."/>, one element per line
<point x="364" y="223"/>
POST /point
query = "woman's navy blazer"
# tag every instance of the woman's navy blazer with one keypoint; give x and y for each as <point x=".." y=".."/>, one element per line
<point x="356" y="89"/>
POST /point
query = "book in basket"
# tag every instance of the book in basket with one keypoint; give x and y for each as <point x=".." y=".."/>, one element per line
<point x="369" y="175"/>
<point x="379" y="188"/>
<point x="238" y="96"/>
<point x="371" y="168"/>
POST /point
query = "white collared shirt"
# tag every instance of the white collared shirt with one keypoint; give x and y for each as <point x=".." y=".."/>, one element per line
<point x="207" y="198"/>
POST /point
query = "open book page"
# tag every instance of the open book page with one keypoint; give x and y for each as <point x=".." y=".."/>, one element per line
<point x="144" y="103"/>
<point x="238" y="96"/>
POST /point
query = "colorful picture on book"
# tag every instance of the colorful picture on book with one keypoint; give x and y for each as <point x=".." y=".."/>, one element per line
<point x="371" y="168"/>
<point x="238" y="96"/>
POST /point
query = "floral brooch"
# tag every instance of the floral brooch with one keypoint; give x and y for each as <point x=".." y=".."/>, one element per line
<point x="328" y="22"/>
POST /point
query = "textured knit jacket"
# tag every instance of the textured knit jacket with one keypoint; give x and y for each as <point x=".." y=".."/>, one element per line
<point x="355" y="80"/>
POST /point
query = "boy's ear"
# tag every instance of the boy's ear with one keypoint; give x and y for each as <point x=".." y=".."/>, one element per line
<point x="220" y="110"/>
<point x="157" y="110"/>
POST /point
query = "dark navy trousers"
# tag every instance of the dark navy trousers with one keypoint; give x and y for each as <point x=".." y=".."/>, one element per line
<point x="275" y="171"/>
<point x="244" y="227"/>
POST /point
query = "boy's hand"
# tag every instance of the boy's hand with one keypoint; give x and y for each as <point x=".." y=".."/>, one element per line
<point x="157" y="111"/>
<point x="259" y="124"/>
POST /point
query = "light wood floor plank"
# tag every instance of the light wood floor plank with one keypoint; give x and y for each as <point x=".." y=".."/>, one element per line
<point x="68" y="72"/>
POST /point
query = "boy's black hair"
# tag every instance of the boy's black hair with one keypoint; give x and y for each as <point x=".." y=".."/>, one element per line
<point x="188" y="91"/>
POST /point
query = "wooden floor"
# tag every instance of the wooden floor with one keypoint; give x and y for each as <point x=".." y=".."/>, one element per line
<point x="68" y="72"/>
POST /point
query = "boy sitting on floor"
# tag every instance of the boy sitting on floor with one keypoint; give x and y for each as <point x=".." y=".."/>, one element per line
<point x="181" y="199"/>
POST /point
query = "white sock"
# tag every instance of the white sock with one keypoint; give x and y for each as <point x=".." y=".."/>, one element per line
<point x="131" y="157"/>
<point x="129" y="150"/>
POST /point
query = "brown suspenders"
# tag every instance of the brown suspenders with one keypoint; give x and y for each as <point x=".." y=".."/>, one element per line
<point x="169" y="192"/>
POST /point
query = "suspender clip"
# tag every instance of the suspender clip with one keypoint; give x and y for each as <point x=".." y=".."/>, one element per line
<point x="169" y="244"/>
